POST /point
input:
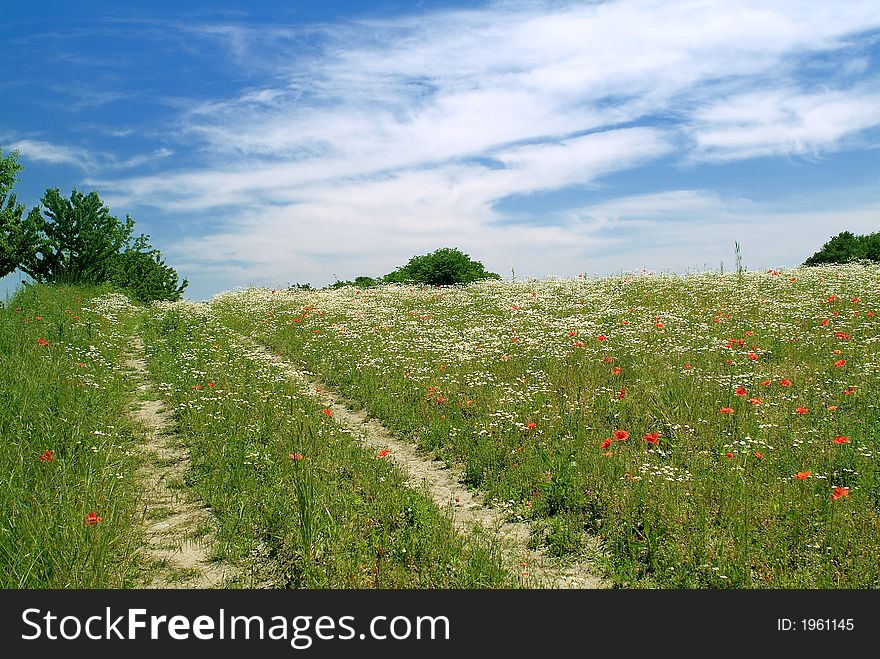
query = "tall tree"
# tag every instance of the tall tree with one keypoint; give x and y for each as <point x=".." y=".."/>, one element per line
<point x="14" y="237"/>
<point x="76" y="239"/>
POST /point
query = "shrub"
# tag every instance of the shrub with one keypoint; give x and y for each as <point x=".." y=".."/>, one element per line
<point x="442" y="267"/>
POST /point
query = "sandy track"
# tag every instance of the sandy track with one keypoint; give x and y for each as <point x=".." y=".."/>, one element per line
<point x="178" y="524"/>
<point x="445" y="487"/>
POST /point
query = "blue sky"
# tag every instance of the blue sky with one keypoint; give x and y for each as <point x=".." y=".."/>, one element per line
<point x="272" y="143"/>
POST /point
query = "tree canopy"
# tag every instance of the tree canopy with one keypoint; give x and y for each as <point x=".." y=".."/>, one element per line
<point x="847" y="246"/>
<point x="445" y="266"/>
<point x="14" y="240"/>
<point x="76" y="239"/>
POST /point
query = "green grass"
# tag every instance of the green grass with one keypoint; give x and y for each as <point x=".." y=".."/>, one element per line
<point x="68" y="398"/>
<point x="340" y="517"/>
<point x="513" y="381"/>
<point x="545" y="393"/>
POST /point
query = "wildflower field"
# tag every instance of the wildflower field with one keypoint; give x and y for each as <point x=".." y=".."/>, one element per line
<point x="701" y="431"/>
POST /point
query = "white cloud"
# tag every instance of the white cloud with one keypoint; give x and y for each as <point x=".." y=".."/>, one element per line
<point x="383" y="138"/>
<point x="782" y="122"/>
<point x="54" y="154"/>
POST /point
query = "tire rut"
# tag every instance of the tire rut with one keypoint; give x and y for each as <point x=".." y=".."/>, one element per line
<point x="444" y="485"/>
<point x="178" y="524"/>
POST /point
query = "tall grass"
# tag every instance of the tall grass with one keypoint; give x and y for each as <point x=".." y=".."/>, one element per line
<point x="291" y="487"/>
<point x="66" y="448"/>
<point x="670" y="415"/>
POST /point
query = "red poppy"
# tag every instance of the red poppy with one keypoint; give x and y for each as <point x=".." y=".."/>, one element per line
<point x="296" y="456"/>
<point x="801" y="410"/>
<point x="832" y="407"/>
<point x="824" y="322"/>
<point x="752" y="356"/>
<point x="621" y="393"/>
<point x="38" y="318"/>
<point x="849" y="390"/>
<point x="841" y="439"/>
<point x="728" y="455"/>
<point x="766" y="383"/>
<point x="841" y="335"/>
<point x="840" y="362"/>
<point x="328" y="412"/>
<point x="572" y="333"/>
<point x="531" y="425"/>
<point x="606" y="444"/>
<point x="740" y="391"/>
<point x="621" y="435"/>
<point x="43" y="342"/>
<point x="92" y="519"/>
<point x="615" y="370"/>
<point x="759" y="455"/>
<point x="197" y="387"/>
<point x="802" y="475"/>
<point x="839" y="492"/>
<point x="579" y="344"/>
<point x="726" y="410"/>
<point x="756" y="401"/>
<point x="784" y="382"/>
<point x="211" y="384"/>
<point x="47" y="456"/>
<point x="384" y="453"/>
<point x="505" y="358"/>
<point x="688" y="366"/>
<point x="652" y="437"/>
<point x="601" y="337"/>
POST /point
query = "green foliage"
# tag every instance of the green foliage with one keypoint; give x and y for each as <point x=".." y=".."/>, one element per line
<point x="141" y="270"/>
<point x="359" y="282"/>
<point x="442" y="267"/>
<point x="77" y="240"/>
<point x="14" y="240"/>
<point x="68" y="445"/>
<point x="846" y="247"/>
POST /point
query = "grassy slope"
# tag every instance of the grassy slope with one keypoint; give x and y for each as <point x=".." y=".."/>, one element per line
<point x="716" y="503"/>
<point x="338" y="517"/>
<point x="68" y="397"/>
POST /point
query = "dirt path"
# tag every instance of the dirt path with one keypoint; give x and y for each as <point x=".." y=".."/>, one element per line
<point x="444" y="485"/>
<point x="178" y="524"/>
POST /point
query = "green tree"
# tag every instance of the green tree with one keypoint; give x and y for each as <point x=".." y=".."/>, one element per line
<point x="15" y="240"/>
<point x="445" y="266"/>
<point x="845" y="247"/>
<point x="141" y="270"/>
<point x="77" y="240"/>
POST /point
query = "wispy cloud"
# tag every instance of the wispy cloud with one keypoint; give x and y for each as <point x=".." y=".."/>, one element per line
<point x="53" y="154"/>
<point x="84" y="159"/>
<point x="371" y="138"/>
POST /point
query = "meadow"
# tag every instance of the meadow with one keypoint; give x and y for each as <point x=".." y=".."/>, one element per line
<point x="704" y="431"/>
